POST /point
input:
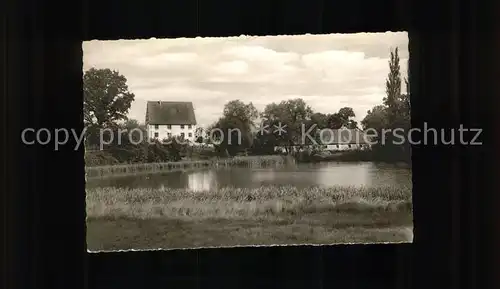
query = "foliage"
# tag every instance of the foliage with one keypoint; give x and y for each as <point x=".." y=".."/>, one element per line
<point x="106" y="101"/>
<point x="106" y="97"/>
<point x="393" y="87"/>
<point x="393" y="113"/>
<point x="290" y="115"/>
<point x="99" y="158"/>
<point x="234" y="130"/>
<point x="129" y="146"/>
<point x="297" y="118"/>
<point x="376" y="118"/>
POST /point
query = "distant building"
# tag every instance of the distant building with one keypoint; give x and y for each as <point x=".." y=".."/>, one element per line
<point x="166" y="119"/>
<point x="344" y="139"/>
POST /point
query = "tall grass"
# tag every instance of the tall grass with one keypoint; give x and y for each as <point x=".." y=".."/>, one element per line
<point x="251" y="161"/>
<point x="242" y="203"/>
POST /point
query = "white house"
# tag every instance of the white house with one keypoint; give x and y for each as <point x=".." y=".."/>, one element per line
<point x="344" y="139"/>
<point x="166" y="119"/>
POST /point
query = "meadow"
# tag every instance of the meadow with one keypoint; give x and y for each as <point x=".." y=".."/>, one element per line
<point x="177" y="218"/>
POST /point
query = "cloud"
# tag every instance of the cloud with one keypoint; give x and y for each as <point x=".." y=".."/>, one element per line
<point x="327" y="71"/>
<point x="163" y="60"/>
<point x="237" y="67"/>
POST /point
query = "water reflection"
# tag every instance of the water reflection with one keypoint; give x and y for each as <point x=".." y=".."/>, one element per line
<point x="304" y="175"/>
<point x="200" y="181"/>
<point x="346" y="174"/>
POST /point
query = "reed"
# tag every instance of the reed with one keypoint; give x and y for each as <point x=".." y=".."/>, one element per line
<point x="243" y="161"/>
<point x="239" y="203"/>
<point x="121" y="219"/>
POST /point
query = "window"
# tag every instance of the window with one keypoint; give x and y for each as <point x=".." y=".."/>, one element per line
<point x="169" y="126"/>
<point x="190" y="127"/>
<point x="156" y="134"/>
<point x="156" y="126"/>
<point x="182" y="126"/>
<point x="182" y="135"/>
<point x="190" y="134"/>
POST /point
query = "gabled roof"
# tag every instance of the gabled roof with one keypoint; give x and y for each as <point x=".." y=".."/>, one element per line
<point x="170" y="112"/>
<point x="343" y="136"/>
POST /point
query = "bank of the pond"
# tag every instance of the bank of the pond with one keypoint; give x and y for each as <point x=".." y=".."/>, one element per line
<point x="130" y="169"/>
<point x="352" y="156"/>
<point x="168" y="218"/>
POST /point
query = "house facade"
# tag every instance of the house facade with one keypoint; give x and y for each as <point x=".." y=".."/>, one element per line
<point x="171" y="119"/>
<point x="344" y="139"/>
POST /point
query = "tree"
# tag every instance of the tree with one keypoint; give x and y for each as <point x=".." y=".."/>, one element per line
<point x="124" y="147"/>
<point x="290" y="115"/>
<point x="393" y="87"/>
<point x="405" y="106"/>
<point x="320" y="119"/>
<point x="264" y="143"/>
<point x="376" y="118"/>
<point x="394" y="113"/>
<point x="334" y="121"/>
<point x="352" y="124"/>
<point x="131" y="124"/>
<point x="342" y="118"/>
<point x="346" y="113"/>
<point x="236" y="124"/>
<point x="106" y="98"/>
<point x="246" y="113"/>
<point x="405" y="115"/>
<point x="106" y="101"/>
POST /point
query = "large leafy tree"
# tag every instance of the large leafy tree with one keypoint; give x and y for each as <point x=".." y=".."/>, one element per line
<point x="236" y="124"/>
<point x="320" y="120"/>
<point x="106" y="97"/>
<point x="106" y="101"/>
<point x="376" y="118"/>
<point x="290" y="115"/>
<point x="342" y="118"/>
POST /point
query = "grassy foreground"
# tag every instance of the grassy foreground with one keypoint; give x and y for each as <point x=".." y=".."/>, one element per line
<point x="173" y="218"/>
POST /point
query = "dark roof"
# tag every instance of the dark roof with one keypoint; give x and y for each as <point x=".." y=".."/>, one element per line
<point x="170" y="112"/>
<point x="343" y="136"/>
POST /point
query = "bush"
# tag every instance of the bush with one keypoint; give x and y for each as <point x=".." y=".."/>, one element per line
<point x="99" y="158"/>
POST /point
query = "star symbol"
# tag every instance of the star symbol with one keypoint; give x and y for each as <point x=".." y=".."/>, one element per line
<point x="263" y="128"/>
<point x="280" y="128"/>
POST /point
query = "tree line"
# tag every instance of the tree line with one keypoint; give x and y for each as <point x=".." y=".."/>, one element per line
<point x="393" y="113"/>
<point x="107" y="101"/>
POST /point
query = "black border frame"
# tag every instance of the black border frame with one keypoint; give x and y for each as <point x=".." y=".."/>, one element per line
<point x="453" y="69"/>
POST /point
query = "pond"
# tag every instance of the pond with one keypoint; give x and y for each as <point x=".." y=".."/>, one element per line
<point x="302" y="175"/>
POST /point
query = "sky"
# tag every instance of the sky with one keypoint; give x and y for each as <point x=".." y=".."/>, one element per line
<point x="328" y="71"/>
